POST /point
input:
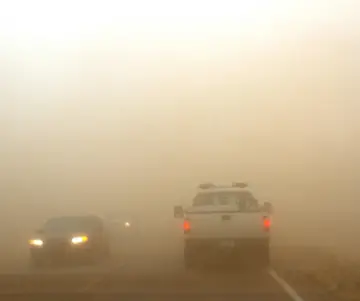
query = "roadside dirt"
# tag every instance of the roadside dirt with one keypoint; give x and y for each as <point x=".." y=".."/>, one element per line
<point x="318" y="272"/>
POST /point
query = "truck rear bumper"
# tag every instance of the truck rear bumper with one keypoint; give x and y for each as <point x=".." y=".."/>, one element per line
<point x="226" y="243"/>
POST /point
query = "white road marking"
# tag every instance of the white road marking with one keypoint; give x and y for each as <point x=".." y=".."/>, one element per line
<point x="287" y="288"/>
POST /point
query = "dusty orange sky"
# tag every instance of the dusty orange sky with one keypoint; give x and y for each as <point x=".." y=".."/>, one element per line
<point x="134" y="112"/>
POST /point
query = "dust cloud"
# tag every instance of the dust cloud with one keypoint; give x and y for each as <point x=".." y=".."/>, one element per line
<point x="104" y="126"/>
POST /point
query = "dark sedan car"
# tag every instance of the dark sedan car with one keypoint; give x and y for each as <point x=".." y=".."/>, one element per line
<point x="70" y="237"/>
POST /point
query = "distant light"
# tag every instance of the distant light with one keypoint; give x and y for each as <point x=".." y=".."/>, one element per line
<point x="239" y="184"/>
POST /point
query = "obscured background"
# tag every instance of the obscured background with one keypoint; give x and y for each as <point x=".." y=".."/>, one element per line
<point x="108" y="106"/>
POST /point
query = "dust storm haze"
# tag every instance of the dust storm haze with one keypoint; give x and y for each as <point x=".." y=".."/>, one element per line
<point x="133" y="121"/>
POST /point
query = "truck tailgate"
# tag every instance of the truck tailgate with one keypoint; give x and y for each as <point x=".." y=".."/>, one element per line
<point x="227" y="222"/>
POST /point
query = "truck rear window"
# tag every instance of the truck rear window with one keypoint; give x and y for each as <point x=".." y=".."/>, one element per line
<point x="244" y="200"/>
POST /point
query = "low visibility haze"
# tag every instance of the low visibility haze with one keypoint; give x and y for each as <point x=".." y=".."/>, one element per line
<point x="128" y="117"/>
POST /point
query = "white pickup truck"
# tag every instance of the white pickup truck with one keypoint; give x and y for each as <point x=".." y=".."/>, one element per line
<point x="225" y="219"/>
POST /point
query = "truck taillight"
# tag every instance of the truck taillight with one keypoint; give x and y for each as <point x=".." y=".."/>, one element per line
<point x="186" y="226"/>
<point x="266" y="223"/>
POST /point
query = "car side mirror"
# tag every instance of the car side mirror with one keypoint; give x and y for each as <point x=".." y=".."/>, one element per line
<point x="178" y="212"/>
<point x="268" y="207"/>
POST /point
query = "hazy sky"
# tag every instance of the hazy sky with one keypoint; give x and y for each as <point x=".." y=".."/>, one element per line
<point x="98" y="96"/>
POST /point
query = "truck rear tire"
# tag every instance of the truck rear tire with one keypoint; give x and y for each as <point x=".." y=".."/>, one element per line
<point x="189" y="258"/>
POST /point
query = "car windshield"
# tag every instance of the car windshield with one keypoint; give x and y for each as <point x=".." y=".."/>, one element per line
<point x="243" y="199"/>
<point x="70" y="223"/>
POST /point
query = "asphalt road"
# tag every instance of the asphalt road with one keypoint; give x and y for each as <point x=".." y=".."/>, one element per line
<point x="145" y="272"/>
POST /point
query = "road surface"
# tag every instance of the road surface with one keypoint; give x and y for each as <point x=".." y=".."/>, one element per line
<point x="149" y="272"/>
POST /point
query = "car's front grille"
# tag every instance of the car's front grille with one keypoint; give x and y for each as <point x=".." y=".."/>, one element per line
<point x="56" y="244"/>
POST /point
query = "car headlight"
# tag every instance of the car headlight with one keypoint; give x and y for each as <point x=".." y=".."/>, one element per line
<point x="127" y="224"/>
<point x="79" y="240"/>
<point x="36" y="242"/>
